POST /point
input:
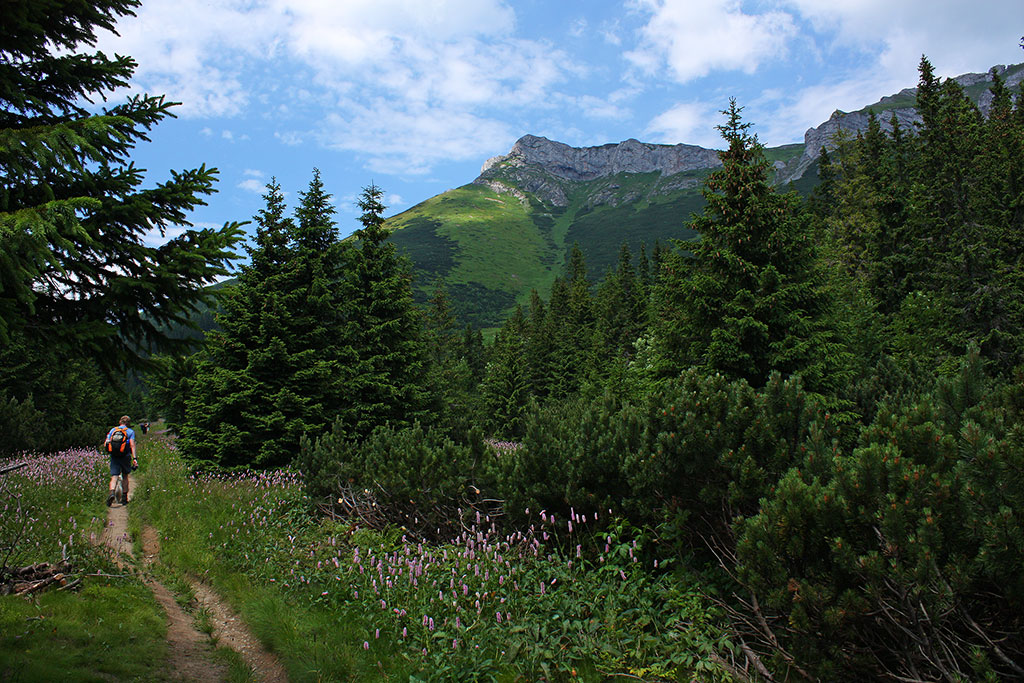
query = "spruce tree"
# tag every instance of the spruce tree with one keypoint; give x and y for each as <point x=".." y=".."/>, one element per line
<point x="619" y="310"/>
<point x="576" y="340"/>
<point x="539" y="350"/>
<point x="962" y="282"/>
<point x="557" y="330"/>
<point x="747" y="302"/>
<point x="387" y="384"/>
<point x="450" y="382"/>
<point x="275" y="371"/>
<point x="76" y="272"/>
<point x="506" y="386"/>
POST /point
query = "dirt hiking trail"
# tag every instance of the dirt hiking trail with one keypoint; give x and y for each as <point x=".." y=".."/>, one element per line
<point x="191" y="651"/>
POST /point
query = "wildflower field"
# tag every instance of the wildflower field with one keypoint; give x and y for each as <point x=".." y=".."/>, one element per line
<point x="557" y="601"/>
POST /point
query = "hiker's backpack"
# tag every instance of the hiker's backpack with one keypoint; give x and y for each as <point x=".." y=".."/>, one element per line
<point x="118" y="443"/>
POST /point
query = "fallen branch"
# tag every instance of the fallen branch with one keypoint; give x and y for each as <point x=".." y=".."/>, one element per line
<point x="71" y="586"/>
<point x="33" y="587"/>
<point x="10" y="468"/>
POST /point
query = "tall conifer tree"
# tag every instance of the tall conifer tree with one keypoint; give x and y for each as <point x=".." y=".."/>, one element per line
<point x="73" y="217"/>
<point x="275" y="370"/>
<point x="506" y="386"/>
<point x="747" y="302"/>
<point x="387" y="386"/>
<point x="82" y="296"/>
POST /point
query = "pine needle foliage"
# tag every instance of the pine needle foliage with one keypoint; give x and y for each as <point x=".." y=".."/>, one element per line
<point x="274" y="372"/>
<point x="388" y="381"/>
<point x="747" y="303"/>
<point x="74" y="220"/>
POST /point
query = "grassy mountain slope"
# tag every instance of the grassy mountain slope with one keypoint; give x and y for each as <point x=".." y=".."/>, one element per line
<point x="491" y="248"/>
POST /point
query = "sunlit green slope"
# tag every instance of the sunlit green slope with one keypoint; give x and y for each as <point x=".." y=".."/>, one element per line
<point x="492" y="248"/>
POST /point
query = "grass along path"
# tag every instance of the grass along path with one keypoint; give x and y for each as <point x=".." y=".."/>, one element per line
<point x="118" y="617"/>
<point x="106" y="626"/>
<point x="191" y="651"/>
<point x="221" y="623"/>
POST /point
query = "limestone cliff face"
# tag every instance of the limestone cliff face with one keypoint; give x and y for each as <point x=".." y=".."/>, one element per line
<point x="588" y="163"/>
<point x="543" y="166"/>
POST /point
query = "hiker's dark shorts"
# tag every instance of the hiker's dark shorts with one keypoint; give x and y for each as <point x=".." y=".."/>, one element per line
<point x="120" y="464"/>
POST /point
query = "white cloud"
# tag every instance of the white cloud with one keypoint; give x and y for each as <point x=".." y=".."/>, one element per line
<point x="409" y="141"/>
<point x="363" y="32"/>
<point x="692" y="123"/>
<point x="695" y="37"/>
<point x="455" y="64"/>
<point x="602" y="108"/>
<point x="253" y="173"/>
<point x="610" y="32"/>
<point x="964" y="35"/>
<point x="957" y="36"/>
<point x="290" y="138"/>
<point x="877" y="46"/>
<point x="783" y="120"/>
<point x="194" y="51"/>
<point x="253" y="185"/>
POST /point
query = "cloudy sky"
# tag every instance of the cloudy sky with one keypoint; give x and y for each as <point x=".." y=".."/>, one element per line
<point x="414" y="95"/>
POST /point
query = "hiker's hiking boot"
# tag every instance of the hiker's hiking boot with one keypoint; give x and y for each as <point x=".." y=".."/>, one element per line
<point x="110" y="499"/>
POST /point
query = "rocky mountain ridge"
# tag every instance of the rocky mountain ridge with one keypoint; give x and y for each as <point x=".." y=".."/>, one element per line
<point x="509" y="232"/>
<point x="542" y="167"/>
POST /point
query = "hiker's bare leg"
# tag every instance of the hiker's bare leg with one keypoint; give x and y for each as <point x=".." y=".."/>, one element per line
<point x="113" y="483"/>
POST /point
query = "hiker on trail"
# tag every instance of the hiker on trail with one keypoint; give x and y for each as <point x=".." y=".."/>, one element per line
<point x="120" y="444"/>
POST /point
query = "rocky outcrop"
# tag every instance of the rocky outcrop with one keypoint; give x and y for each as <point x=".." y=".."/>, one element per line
<point x="538" y="165"/>
<point x="827" y="134"/>
<point x="547" y="169"/>
<point x="588" y="163"/>
<point x="499" y="187"/>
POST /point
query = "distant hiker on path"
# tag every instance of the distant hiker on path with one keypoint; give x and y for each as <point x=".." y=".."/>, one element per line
<point x="120" y="444"/>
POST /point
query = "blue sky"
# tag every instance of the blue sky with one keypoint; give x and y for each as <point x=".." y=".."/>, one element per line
<point x="415" y="95"/>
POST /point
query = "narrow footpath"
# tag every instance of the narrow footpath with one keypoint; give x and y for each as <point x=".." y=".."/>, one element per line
<point x="191" y="651"/>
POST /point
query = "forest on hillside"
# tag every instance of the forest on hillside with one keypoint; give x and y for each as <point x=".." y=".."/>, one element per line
<point x="813" y="409"/>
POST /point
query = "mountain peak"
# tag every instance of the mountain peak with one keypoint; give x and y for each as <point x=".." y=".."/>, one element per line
<point x="588" y="163"/>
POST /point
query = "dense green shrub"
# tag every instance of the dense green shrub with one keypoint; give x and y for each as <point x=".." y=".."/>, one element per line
<point x="712" y="448"/>
<point x="902" y="558"/>
<point x="414" y="477"/>
<point x="571" y="457"/>
<point x="700" y="444"/>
